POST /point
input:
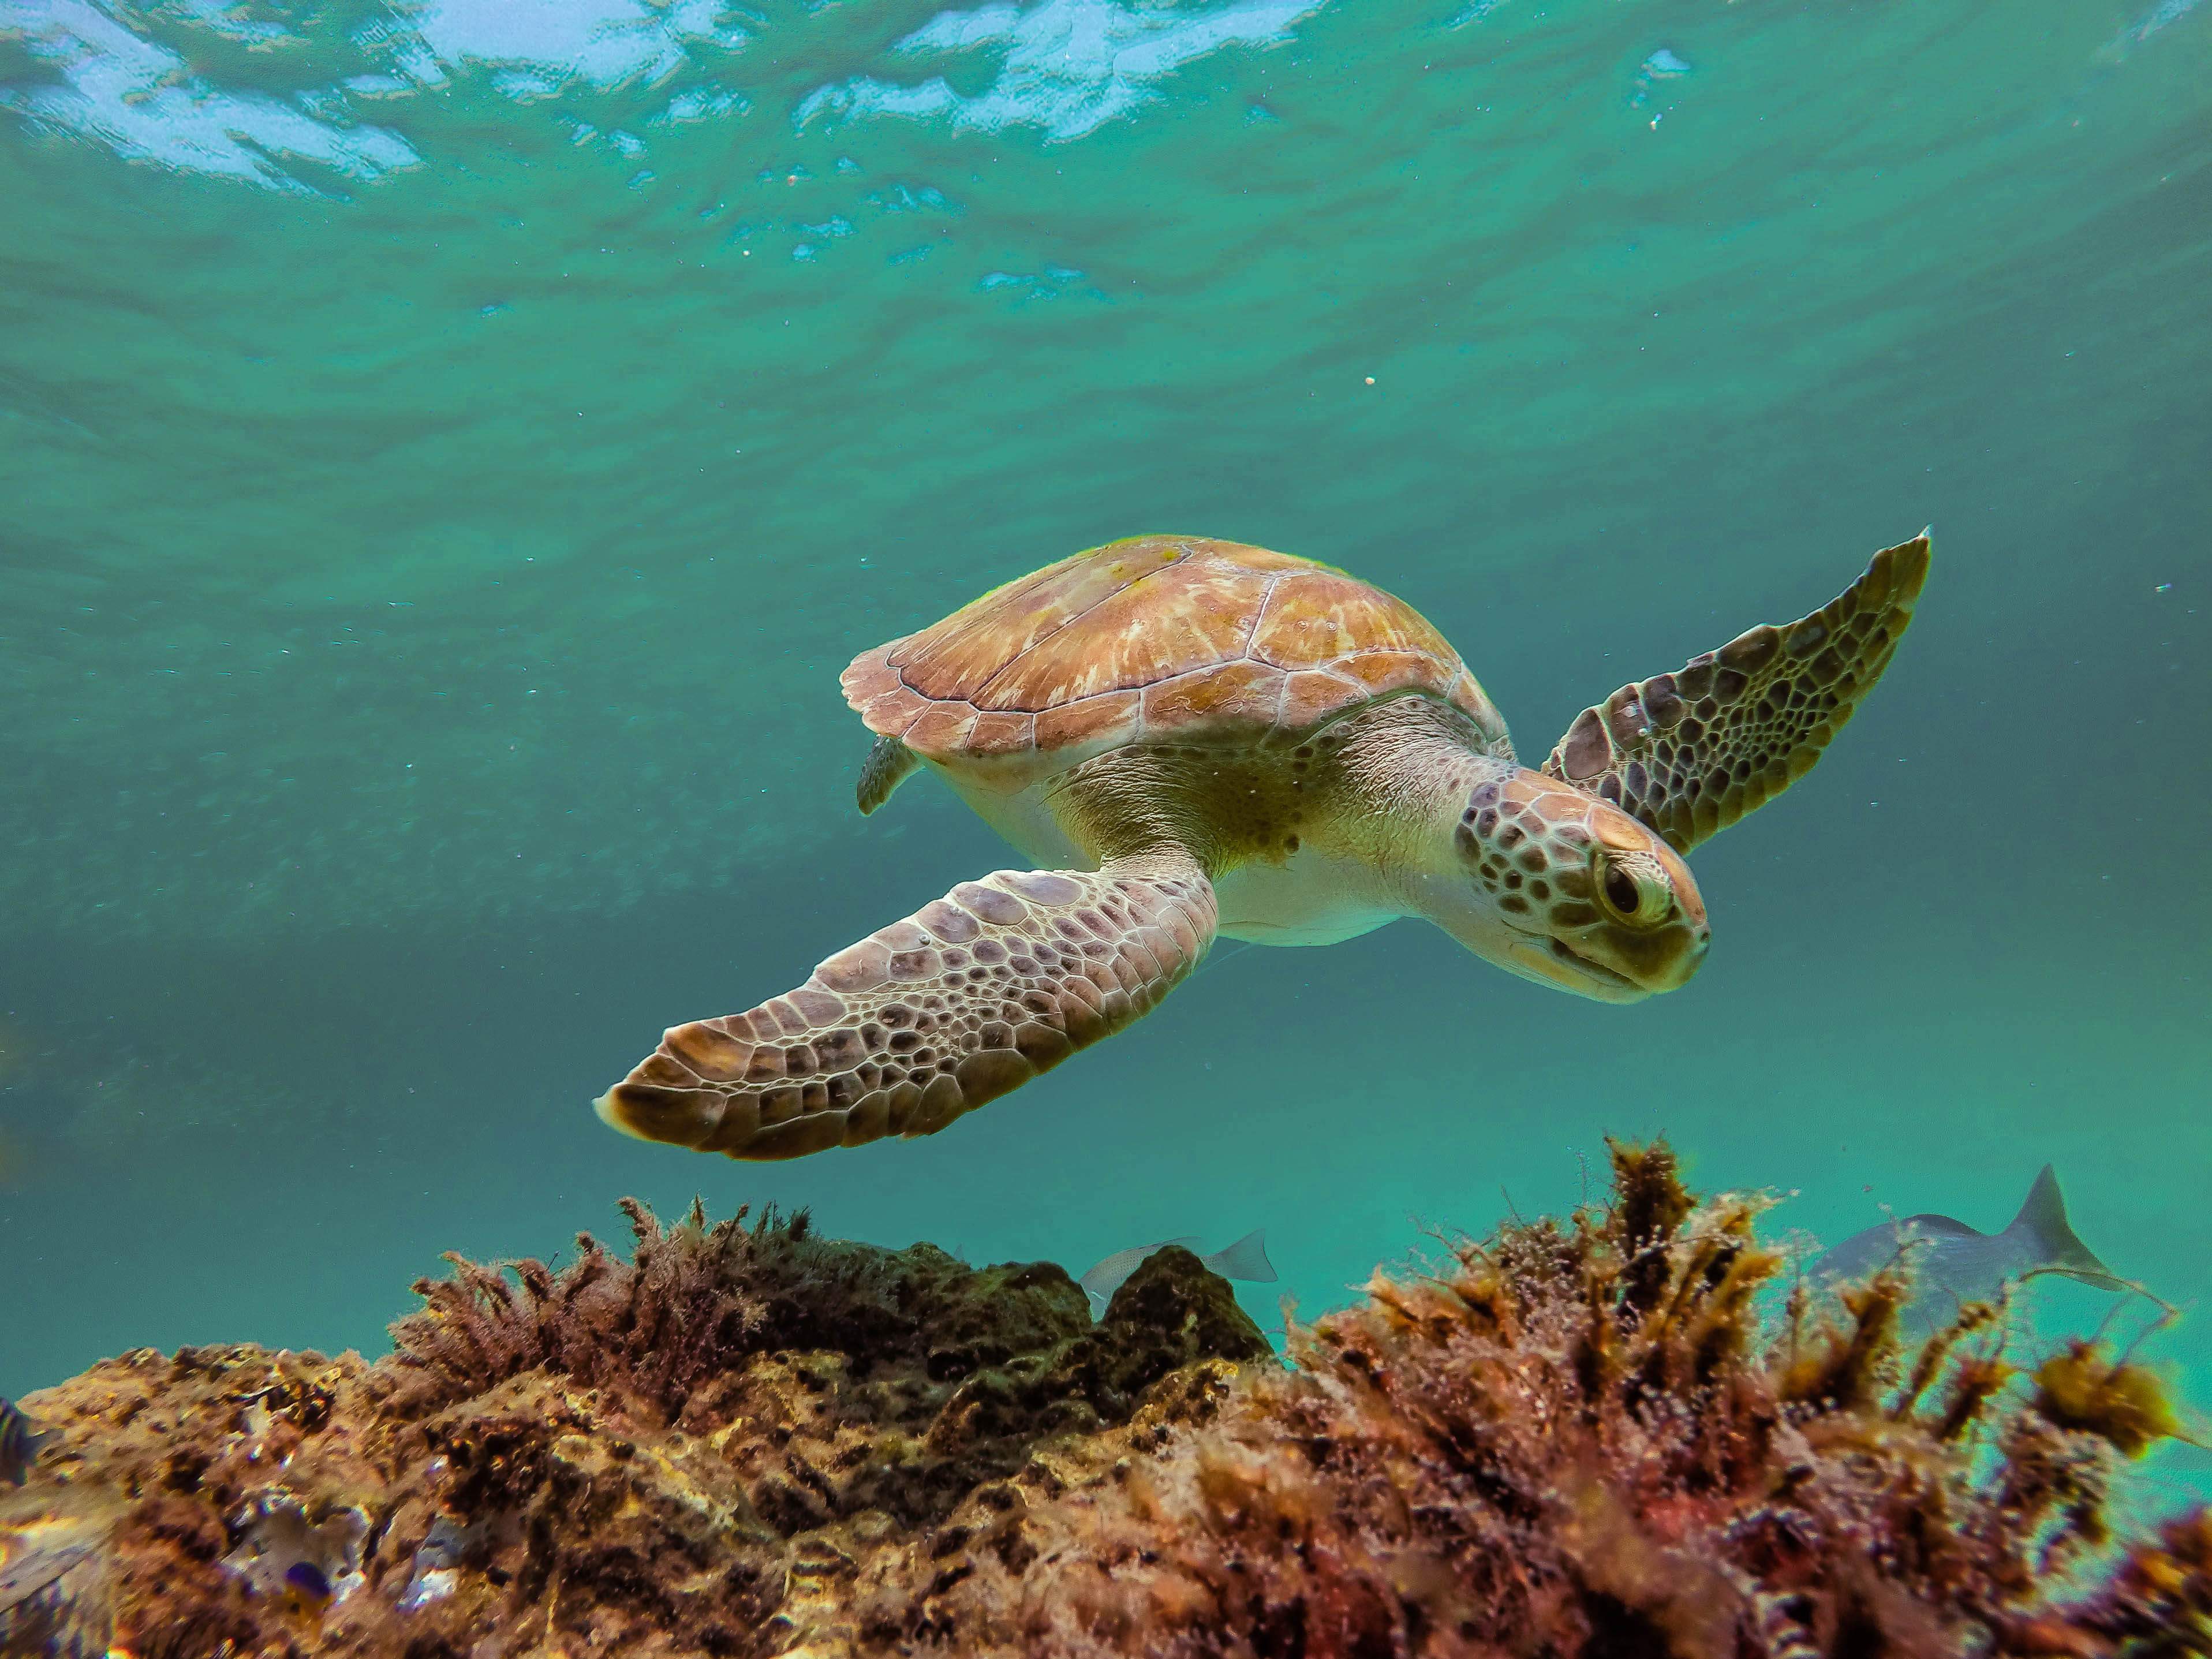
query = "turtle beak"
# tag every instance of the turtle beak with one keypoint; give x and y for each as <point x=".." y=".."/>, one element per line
<point x="1539" y="958"/>
<point x="1552" y="962"/>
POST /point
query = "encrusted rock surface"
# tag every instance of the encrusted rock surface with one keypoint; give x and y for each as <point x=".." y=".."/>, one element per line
<point x="704" y="1451"/>
<point x="1574" y="1439"/>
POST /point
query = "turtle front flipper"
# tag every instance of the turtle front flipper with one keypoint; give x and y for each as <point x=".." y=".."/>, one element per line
<point x="968" y="998"/>
<point x="1691" y="752"/>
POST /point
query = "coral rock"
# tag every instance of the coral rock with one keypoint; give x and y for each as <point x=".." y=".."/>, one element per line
<point x="702" y="1450"/>
<point x="1573" y="1439"/>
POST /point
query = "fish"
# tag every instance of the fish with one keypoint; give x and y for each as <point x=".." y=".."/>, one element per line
<point x="304" y="1594"/>
<point x="1246" y="1259"/>
<point x="436" y="1559"/>
<point x="1952" y="1263"/>
<point x="55" y="1595"/>
<point x="27" y="1567"/>
<point x="21" y="1442"/>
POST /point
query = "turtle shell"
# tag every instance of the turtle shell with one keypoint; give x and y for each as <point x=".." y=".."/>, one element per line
<point x="1155" y="637"/>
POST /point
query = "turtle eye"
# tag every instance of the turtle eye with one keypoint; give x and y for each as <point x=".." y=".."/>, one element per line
<point x="1621" y="891"/>
<point x="1634" y="891"/>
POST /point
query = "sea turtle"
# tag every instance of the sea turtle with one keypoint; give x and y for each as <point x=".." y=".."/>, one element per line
<point x="1195" y="738"/>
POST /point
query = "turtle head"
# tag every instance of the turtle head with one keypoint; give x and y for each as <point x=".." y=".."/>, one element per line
<point x="1565" y="889"/>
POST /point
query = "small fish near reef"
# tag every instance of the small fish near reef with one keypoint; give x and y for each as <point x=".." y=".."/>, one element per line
<point x="1247" y="1259"/>
<point x="21" y="1442"/>
<point x="306" y="1593"/>
<point x="1197" y="739"/>
<point x="1952" y="1263"/>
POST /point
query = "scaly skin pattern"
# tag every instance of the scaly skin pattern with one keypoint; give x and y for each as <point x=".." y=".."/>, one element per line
<point x="1690" y="753"/>
<point x="973" y="995"/>
<point x="889" y="765"/>
<point x="1599" y="903"/>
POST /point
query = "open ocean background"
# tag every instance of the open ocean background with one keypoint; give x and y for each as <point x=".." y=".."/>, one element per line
<point x="449" y="448"/>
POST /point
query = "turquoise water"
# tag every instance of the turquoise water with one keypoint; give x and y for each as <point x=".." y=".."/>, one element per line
<point x="449" y="453"/>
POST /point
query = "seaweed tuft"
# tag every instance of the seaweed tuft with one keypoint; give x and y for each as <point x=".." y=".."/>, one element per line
<point x="1581" y="1438"/>
<point x="678" y="1312"/>
<point x="1578" y="1438"/>
<point x="2122" y="1403"/>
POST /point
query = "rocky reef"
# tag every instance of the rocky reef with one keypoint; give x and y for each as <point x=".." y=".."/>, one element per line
<point x="1576" y="1438"/>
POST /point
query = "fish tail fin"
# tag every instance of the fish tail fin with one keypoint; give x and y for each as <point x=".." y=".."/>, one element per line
<point x="1246" y="1259"/>
<point x="2043" y="1218"/>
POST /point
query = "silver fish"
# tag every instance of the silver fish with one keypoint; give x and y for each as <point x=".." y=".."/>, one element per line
<point x="1246" y="1259"/>
<point x="55" y="1597"/>
<point x="1952" y="1263"/>
<point x="21" y="1442"/>
<point x="26" y="1570"/>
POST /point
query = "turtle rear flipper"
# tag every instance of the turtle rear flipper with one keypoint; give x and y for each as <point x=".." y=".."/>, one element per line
<point x="1691" y="752"/>
<point x="970" y="998"/>
<point x="889" y="765"/>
